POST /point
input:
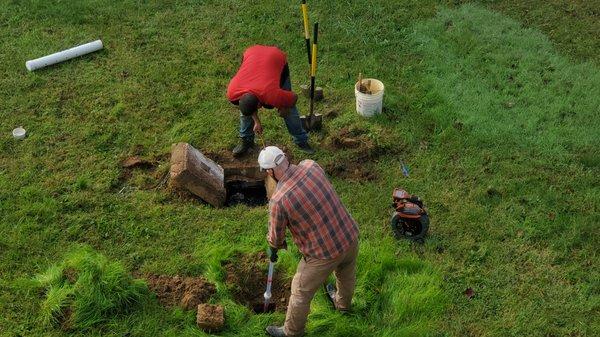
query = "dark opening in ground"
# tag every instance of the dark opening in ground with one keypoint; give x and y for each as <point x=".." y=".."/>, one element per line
<point x="260" y="308"/>
<point x="246" y="278"/>
<point x="247" y="193"/>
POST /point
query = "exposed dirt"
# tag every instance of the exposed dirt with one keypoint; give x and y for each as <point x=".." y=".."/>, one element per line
<point x="243" y="168"/>
<point x="70" y="274"/>
<point x="138" y="172"/>
<point x="247" y="279"/>
<point x="65" y="321"/>
<point x="137" y="162"/>
<point x="210" y="317"/>
<point x="351" y="138"/>
<point x="351" y="170"/>
<point x="361" y="151"/>
<point x="186" y="292"/>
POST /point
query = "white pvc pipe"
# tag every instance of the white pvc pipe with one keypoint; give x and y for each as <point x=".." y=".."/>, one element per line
<point x="63" y="55"/>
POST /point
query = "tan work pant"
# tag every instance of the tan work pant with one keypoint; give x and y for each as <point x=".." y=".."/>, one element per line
<point x="310" y="276"/>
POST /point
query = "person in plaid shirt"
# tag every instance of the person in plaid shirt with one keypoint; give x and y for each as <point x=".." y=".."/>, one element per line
<point x="326" y="234"/>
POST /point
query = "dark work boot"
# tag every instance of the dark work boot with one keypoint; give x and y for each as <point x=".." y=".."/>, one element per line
<point x="242" y="147"/>
<point x="330" y="292"/>
<point x="275" y="331"/>
<point x="306" y="148"/>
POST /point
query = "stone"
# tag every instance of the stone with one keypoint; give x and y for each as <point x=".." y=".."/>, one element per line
<point x="305" y="89"/>
<point x="192" y="171"/>
<point x="210" y="318"/>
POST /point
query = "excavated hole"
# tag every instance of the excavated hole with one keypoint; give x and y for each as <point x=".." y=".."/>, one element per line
<point x="246" y="278"/>
<point x="260" y="308"/>
<point x="247" y="193"/>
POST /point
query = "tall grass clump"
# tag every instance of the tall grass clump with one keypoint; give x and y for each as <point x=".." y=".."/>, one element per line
<point x="86" y="289"/>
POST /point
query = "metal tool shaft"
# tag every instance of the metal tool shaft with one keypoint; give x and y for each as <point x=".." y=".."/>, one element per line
<point x="267" y="294"/>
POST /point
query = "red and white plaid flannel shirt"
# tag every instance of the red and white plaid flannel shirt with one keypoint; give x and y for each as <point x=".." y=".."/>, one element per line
<point x="306" y="203"/>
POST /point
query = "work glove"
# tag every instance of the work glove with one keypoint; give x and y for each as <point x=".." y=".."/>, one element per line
<point x="273" y="254"/>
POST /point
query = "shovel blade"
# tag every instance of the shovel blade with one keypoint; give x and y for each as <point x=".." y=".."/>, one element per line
<point x="312" y="123"/>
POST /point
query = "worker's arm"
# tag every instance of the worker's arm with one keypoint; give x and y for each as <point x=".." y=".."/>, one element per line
<point x="257" y="124"/>
<point x="278" y="222"/>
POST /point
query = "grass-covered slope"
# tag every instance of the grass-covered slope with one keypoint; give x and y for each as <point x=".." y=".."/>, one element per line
<point x="522" y="162"/>
<point x="496" y="124"/>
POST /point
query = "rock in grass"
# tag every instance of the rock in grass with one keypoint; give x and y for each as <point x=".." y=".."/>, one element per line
<point x="192" y="171"/>
<point x="210" y="317"/>
<point x="305" y="89"/>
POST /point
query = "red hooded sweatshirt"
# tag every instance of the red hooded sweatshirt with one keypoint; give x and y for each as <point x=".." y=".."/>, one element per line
<point x="260" y="74"/>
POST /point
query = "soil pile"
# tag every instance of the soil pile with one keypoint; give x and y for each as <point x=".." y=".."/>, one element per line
<point x="361" y="151"/>
<point x="188" y="292"/>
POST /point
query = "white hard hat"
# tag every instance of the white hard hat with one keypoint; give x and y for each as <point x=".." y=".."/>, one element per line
<point x="270" y="157"/>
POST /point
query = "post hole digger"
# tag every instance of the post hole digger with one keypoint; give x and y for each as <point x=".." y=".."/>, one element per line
<point x="312" y="121"/>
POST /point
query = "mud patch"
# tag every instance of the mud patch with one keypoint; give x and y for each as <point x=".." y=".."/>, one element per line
<point x="246" y="278"/>
<point x="187" y="292"/>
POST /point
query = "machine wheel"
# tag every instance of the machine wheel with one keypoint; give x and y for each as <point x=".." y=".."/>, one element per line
<point x="410" y="229"/>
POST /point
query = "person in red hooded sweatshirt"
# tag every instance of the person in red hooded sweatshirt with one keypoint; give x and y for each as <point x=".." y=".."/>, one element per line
<point x="263" y="80"/>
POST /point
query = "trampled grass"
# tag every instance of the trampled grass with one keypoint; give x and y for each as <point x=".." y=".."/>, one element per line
<point x="496" y="122"/>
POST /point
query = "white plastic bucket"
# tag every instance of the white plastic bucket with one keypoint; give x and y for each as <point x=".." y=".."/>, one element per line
<point x="368" y="105"/>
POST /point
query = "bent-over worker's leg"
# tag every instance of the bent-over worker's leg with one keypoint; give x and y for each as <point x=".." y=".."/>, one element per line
<point x="292" y="120"/>
<point x="246" y="128"/>
<point x="309" y="277"/>
<point x="345" y="279"/>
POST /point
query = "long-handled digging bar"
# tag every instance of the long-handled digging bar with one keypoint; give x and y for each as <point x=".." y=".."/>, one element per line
<point x="267" y="294"/>
<point x="313" y="121"/>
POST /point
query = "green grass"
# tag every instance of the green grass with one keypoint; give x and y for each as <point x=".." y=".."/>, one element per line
<point x="496" y="118"/>
<point x="86" y="290"/>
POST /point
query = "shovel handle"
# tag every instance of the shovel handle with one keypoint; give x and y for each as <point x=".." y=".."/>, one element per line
<point x="313" y="72"/>
<point x="304" y="7"/>
<point x="313" y="69"/>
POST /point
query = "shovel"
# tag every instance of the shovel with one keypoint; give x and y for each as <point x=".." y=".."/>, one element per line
<point x="267" y="294"/>
<point x="304" y="7"/>
<point x="313" y="121"/>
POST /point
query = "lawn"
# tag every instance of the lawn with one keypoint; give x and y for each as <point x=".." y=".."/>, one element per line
<point x="494" y="106"/>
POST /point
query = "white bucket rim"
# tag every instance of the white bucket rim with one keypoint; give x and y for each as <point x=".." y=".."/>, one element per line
<point x="373" y="81"/>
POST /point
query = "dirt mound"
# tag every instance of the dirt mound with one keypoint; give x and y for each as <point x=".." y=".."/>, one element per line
<point x="245" y="167"/>
<point x="360" y="151"/>
<point x="351" y="138"/>
<point x="187" y="292"/>
<point x="247" y="279"/>
<point x="351" y="171"/>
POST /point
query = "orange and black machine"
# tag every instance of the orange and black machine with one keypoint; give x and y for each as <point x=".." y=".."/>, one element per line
<point x="410" y="219"/>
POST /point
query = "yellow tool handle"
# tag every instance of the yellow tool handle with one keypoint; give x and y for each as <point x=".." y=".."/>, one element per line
<point x="313" y="63"/>
<point x="305" y="17"/>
